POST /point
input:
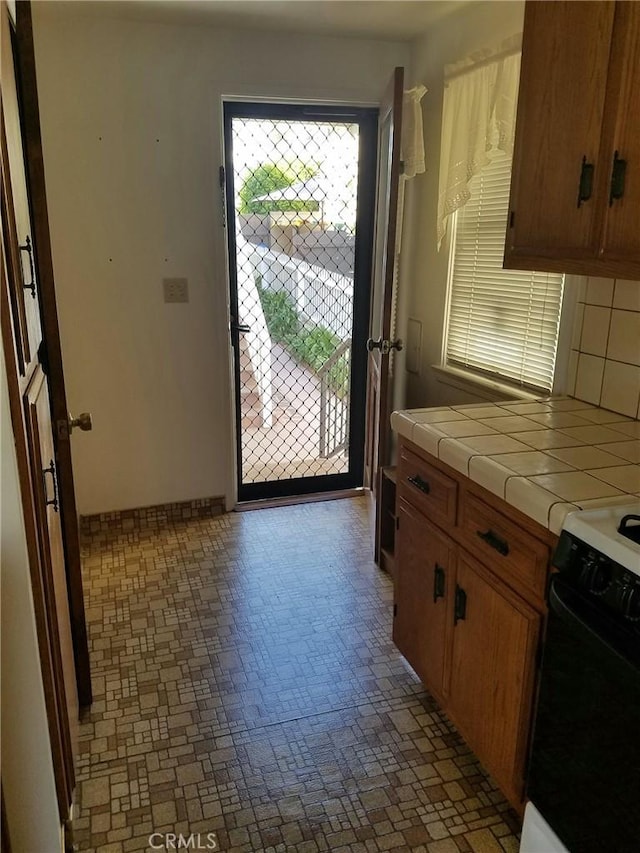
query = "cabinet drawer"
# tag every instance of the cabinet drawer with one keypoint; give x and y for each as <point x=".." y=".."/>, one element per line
<point x="508" y="550"/>
<point x="426" y="488"/>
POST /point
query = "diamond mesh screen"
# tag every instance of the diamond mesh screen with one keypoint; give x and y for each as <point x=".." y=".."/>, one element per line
<point x="295" y="186"/>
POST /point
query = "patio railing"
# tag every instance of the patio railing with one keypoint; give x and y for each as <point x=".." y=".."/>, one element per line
<point x="334" y="409"/>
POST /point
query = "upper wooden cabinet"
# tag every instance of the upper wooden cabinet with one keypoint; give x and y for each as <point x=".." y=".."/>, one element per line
<point x="575" y="189"/>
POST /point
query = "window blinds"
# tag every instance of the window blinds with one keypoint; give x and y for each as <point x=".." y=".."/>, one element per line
<point x="501" y="323"/>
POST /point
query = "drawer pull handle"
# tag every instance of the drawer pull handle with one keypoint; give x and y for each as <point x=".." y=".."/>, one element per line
<point x="460" y="605"/>
<point x="31" y="285"/>
<point x="586" y="182"/>
<point x="419" y="483"/>
<point x="617" y="179"/>
<point x="438" y="583"/>
<point x="494" y="541"/>
<point x="54" y="500"/>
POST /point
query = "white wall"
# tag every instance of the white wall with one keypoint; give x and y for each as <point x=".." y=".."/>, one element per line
<point x="423" y="269"/>
<point x="27" y="767"/>
<point x="131" y="120"/>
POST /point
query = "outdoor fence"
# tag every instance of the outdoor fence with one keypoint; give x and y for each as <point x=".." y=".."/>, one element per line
<point x="320" y="296"/>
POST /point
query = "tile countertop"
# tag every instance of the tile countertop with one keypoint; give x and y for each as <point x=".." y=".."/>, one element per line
<point x="546" y="458"/>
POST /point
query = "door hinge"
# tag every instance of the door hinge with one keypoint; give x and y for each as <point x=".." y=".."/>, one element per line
<point x="397" y="522"/>
<point x="512" y="219"/>
<point x="223" y="196"/>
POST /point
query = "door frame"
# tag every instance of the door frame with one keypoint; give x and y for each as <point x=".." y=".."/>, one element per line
<point x="378" y="382"/>
<point x="34" y="165"/>
<point x="367" y="119"/>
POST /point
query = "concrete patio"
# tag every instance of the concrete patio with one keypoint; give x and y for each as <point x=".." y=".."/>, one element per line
<point x="291" y="446"/>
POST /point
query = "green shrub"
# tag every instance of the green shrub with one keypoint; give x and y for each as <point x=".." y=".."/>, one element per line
<point x="339" y="376"/>
<point x="280" y="315"/>
<point x="312" y="346"/>
<point x="268" y="177"/>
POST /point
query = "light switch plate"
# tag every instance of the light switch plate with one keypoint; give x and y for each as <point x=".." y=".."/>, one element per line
<point x="175" y="289"/>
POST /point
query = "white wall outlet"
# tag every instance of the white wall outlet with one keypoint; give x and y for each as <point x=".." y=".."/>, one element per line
<point x="175" y="289"/>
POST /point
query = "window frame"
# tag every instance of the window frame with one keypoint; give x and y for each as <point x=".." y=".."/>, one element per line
<point x="498" y="383"/>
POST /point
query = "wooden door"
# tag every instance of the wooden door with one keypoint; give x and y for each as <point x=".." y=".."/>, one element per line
<point x="423" y="588"/>
<point x="621" y="140"/>
<point x="38" y="405"/>
<point x="561" y="105"/>
<point x="491" y="692"/>
<point x="379" y="390"/>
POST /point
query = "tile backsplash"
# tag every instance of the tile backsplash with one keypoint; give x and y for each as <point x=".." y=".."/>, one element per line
<point x="605" y="351"/>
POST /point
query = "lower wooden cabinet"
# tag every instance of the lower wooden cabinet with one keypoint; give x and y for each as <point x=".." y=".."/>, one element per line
<point x="468" y="615"/>
<point x="424" y="583"/>
<point x="494" y="645"/>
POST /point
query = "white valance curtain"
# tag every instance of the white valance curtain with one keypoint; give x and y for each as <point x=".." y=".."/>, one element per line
<point x="479" y="114"/>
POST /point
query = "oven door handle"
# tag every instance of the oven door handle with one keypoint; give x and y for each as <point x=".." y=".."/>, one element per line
<point x="592" y="622"/>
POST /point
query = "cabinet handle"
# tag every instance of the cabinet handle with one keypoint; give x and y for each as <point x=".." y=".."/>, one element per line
<point x="31" y="285"/>
<point x="494" y="541"/>
<point x="460" y="605"/>
<point x="438" y="583"/>
<point x="419" y="483"/>
<point x="617" y="179"/>
<point x="54" y="500"/>
<point x="586" y="181"/>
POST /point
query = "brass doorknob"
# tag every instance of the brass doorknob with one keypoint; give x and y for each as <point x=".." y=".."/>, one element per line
<point x="83" y="422"/>
<point x="383" y="345"/>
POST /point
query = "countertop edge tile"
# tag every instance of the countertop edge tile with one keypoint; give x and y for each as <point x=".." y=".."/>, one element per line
<point x="531" y="499"/>
<point x="490" y="474"/>
<point x="557" y="515"/>
<point x="457" y="454"/>
<point x="402" y="423"/>
<point x="427" y="438"/>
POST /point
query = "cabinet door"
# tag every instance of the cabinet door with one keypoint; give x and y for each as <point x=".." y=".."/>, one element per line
<point x="561" y="103"/>
<point x="492" y="672"/>
<point x="15" y="214"/>
<point x="44" y="471"/>
<point x="424" y="582"/>
<point x="622" y="137"/>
